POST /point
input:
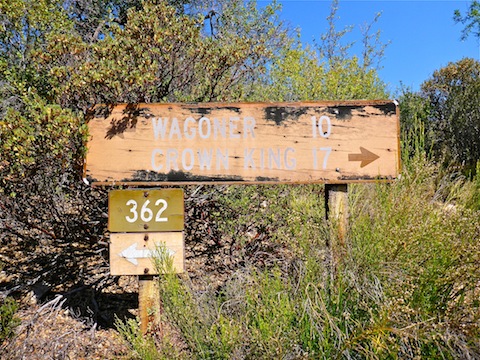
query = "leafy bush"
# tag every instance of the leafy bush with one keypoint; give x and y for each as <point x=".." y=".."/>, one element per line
<point x="47" y="214"/>
<point x="443" y="118"/>
<point x="424" y="253"/>
<point x="415" y="138"/>
<point x="36" y="134"/>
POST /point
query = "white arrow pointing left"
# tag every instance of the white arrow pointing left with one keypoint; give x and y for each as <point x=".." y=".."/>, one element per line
<point x="131" y="253"/>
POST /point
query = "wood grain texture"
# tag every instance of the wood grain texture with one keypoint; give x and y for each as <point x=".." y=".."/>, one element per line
<point x="148" y="303"/>
<point x="244" y="143"/>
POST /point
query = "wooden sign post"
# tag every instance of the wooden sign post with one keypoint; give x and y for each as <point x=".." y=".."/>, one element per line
<point x="336" y="212"/>
<point x="145" y="224"/>
<point x="335" y="143"/>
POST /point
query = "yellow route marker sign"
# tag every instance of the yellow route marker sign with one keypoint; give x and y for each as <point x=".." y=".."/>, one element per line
<point x="145" y="210"/>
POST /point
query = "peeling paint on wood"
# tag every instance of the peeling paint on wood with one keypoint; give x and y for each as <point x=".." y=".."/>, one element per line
<point x="309" y="142"/>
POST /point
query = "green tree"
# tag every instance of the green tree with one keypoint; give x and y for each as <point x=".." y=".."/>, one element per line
<point x="92" y="18"/>
<point x="160" y="55"/>
<point x="349" y="76"/>
<point x="331" y="72"/>
<point x="471" y="20"/>
<point x="25" y="29"/>
<point x="414" y="115"/>
<point x="300" y="75"/>
<point x="453" y="95"/>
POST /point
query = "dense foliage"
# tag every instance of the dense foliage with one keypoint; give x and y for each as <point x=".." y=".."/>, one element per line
<point x="408" y="285"/>
<point x="446" y="109"/>
<point x="453" y="94"/>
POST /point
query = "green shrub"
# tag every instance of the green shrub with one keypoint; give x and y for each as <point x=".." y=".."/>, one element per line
<point x="453" y="94"/>
<point x="36" y="135"/>
<point x="407" y="285"/>
<point x="8" y="320"/>
<point x="424" y="253"/>
<point x="473" y="202"/>
<point x="141" y="347"/>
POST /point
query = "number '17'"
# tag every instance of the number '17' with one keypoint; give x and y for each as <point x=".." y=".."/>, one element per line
<point x="326" y="154"/>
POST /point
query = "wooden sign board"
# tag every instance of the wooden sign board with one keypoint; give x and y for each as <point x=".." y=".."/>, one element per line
<point x="132" y="254"/>
<point x="309" y="142"/>
<point x="145" y="210"/>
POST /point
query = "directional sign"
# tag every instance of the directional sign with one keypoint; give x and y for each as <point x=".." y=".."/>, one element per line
<point x="132" y="254"/>
<point x="322" y="142"/>
<point x="145" y="210"/>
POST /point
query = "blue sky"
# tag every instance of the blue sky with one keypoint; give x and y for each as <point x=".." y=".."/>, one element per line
<point x="422" y="34"/>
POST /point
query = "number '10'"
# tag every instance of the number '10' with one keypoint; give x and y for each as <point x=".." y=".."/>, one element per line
<point x="323" y="126"/>
<point x="146" y="214"/>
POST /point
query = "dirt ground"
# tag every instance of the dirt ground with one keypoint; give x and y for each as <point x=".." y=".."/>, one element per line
<point x="77" y="324"/>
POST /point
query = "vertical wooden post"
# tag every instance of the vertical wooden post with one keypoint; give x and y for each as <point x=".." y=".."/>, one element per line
<point x="336" y="206"/>
<point x="148" y="301"/>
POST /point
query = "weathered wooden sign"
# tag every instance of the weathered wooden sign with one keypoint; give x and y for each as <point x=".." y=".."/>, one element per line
<point x="134" y="253"/>
<point x="322" y="142"/>
<point x="145" y="210"/>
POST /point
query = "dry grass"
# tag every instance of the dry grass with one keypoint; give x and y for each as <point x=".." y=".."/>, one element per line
<point x="406" y="287"/>
<point x="50" y="332"/>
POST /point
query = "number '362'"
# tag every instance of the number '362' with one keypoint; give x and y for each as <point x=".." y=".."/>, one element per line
<point x="146" y="213"/>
